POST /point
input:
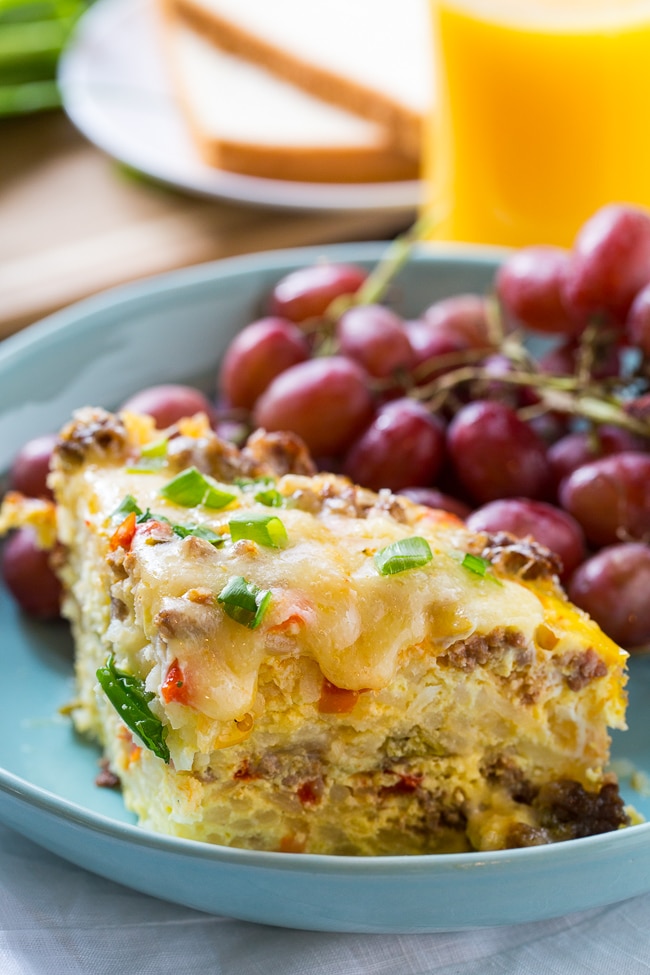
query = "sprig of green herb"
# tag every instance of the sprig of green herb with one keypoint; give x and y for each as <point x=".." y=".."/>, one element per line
<point x="128" y="696"/>
<point x="199" y="531"/>
<point x="128" y="504"/>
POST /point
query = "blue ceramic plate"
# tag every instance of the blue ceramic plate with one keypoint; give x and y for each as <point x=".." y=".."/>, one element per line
<point x="175" y="327"/>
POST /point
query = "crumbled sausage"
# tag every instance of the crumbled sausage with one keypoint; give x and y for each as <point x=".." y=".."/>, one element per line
<point x="93" y="433"/>
<point x="568" y="811"/>
<point x="105" y="778"/>
<point x="523" y="557"/>
<point x="580" y="669"/>
<point x="279" y="453"/>
<point x="119" y="609"/>
<point x="504" y="772"/>
<point x="478" y="650"/>
<point x="210" y="455"/>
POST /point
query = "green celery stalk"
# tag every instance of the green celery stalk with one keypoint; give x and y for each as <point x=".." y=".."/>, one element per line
<point x="12" y="11"/>
<point x="33" y="34"/>
<point x="33" y="96"/>
<point x="33" y="39"/>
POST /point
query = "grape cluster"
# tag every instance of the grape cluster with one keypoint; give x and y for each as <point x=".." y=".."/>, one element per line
<point x="452" y="410"/>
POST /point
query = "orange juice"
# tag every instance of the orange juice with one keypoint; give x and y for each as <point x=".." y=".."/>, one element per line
<point x="542" y="115"/>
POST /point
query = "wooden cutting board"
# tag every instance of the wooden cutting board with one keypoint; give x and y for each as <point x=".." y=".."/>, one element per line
<point x="73" y="222"/>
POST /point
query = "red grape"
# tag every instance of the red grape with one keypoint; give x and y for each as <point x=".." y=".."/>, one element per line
<point x="549" y="426"/>
<point x="325" y="401"/>
<point x="433" y="498"/>
<point x="308" y="292"/>
<point x="31" y="466"/>
<point x="168" y="403"/>
<point x="257" y="355"/>
<point x="28" y="576"/>
<point x="613" y="588"/>
<point x="529" y="286"/>
<point x="464" y="315"/>
<point x="559" y="361"/>
<point x="429" y="343"/>
<point x="374" y="337"/>
<point x="404" y="445"/>
<point x="495" y="454"/>
<point x="610" y="262"/>
<point x="583" y="446"/>
<point x="638" y="321"/>
<point x="610" y="498"/>
<point x="554" y="528"/>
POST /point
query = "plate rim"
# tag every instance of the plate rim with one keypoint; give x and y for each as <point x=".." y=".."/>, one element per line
<point x="206" y="272"/>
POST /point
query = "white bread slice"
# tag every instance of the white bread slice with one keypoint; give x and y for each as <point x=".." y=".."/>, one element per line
<point x="248" y="121"/>
<point x="371" y="57"/>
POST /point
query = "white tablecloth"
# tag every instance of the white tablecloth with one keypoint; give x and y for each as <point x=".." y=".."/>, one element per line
<point x="56" y="919"/>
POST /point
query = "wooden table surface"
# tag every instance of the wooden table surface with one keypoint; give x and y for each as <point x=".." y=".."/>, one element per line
<point x="74" y="222"/>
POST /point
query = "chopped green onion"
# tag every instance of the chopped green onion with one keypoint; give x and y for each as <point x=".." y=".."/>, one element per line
<point x="200" y="531"/>
<point x="244" y="602"/>
<point x="126" y="506"/>
<point x="128" y="696"/>
<point x="247" y="482"/>
<point x="407" y="553"/>
<point x="157" y="448"/>
<point x="191" y="488"/>
<point x="271" y="498"/>
<point x="264" y="529"/>
<point x="475" y="564"/>
<point x="147" y="465"/>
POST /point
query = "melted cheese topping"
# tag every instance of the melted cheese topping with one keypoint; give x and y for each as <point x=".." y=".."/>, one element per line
<point x="329" y="601"/>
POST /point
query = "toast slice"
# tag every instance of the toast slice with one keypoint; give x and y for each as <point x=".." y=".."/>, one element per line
<point x="246" y="120"/>
<point x="370" y="57"/>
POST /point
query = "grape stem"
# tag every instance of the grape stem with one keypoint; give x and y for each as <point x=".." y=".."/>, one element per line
<point x="573" y="395"/>
<point x="381" y="276"/>
<point x="563" y="394"/>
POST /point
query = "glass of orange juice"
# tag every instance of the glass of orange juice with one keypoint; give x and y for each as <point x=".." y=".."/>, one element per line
<point x="542" y="115"/>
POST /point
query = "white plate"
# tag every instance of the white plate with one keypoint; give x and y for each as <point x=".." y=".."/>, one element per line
<point x="116" y="91"/>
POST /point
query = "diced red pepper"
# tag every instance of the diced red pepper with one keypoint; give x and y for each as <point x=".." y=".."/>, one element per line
<point x="244" y="772"/>
<point x="309" y="793"/>
<point x="124" y="533"/>
<point x="158" y="530"/>
<point x="174" y="687"/>
<point x="336" y="700"/>
<point x="405" y="784"/>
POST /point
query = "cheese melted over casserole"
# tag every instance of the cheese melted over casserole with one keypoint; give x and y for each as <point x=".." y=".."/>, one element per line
<point x="461" y="703"/>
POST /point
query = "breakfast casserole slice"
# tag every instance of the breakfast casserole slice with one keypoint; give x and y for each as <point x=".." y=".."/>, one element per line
<point x="276" y="659"/>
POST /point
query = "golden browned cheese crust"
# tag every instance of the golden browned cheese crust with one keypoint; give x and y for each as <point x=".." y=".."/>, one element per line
<point x="459" y="703"/>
